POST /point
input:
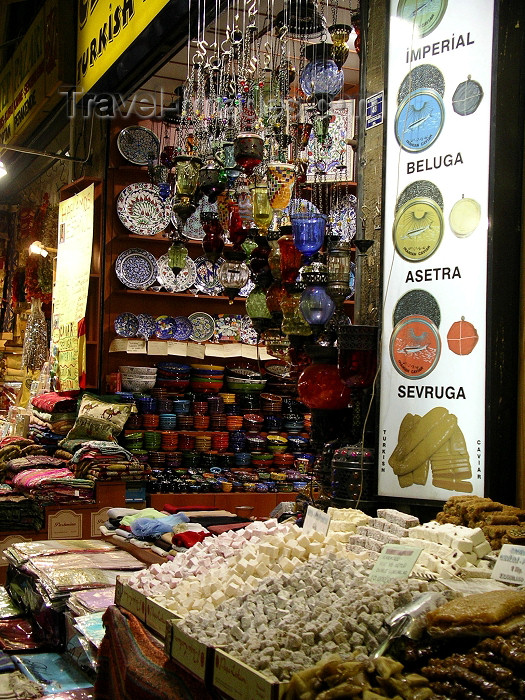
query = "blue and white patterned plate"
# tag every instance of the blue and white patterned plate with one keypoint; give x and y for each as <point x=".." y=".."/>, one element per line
<point x="192" y="229"/>
<point x="126" y="325"/>
<point x="248" y="332"/>
<point x="172" y="282"/>
<point x="147" y="325"/>
<point x="207" y="280"/>
<point x="183" y="328"/>
<point x="351" y="281"/>
<point x="142" y="210"/>
<point x="203" y="326"/>
<point x="342" y="218"/>
<point x="165" y="327"/>
<point x="250" y="284"/>
<point x="138" y="145"/>
<point x="136" y="268"/>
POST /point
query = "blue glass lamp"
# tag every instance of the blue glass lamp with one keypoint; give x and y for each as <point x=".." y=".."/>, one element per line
<point x="308" y="230"/>
<point x="316" y="305"/>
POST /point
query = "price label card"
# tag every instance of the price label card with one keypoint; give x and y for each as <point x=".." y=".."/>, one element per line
<point x="316" y="520"/>
<point x="157" y="347"/>
<point x="177" y="348"/>
<point x="510" y="565"/>
<point x="196" y="351"/>
<point x="118" y="345"/>
<point x="394" y="562"/>
<point x="136" y="346"/>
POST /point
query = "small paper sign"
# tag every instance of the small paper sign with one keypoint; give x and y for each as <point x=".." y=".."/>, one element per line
<point x="177" y="348"/>
<point x="510" y="565"/>
<point x="223" y="350"/>
<point x="157" y="347"/>
<point x="395" y="561"/>
<point x="136" y="346"/>
<point x="316" y="520"/>
<point x="118" y="345"/>
<point x="196" y="351"/>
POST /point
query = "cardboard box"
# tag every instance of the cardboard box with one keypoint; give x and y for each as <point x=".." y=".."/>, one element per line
<point x="157" y="617"/>
<point x="195" y="657"/>
<point x="239" y="681"/>
<point x="130" y="599"/>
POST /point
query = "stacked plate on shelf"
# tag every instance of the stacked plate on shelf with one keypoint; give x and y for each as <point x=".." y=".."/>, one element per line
<point x="173" y="376"/>
<point x="138" y="379"/>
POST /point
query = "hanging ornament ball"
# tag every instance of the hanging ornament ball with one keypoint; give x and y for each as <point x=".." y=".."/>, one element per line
<point x="462" y="337"/>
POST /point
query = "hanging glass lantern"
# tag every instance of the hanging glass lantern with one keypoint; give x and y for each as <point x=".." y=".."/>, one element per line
<point x="262" y="211"/>
<point x="274" y="258"/>
<point x="290" y="256"/>
<point x="236" y="232"/>
<point x="248" y="151"/>
<point x="316" y="305"/>
<point x="258" y="264"/>
<point x="281" y="179"/>
<point x="244" y="201"/>
<point x="186" y="180"/>
<point x="293" y="322"/>
<point x="233" y="274"/>
<point x="212" y="180"/>
<point x="213" y="242"/>
<point x="340" y="34"/>
<point x="321" y="77"/>
<point x="339" y="264"/>
<point x="319" y="385"/>
<point x="308" y="232"/>
<point x="357" y="355"/>
<point x="177" y="255"/>
<point x="257" y="309"/>
<point x="274" y="297"/>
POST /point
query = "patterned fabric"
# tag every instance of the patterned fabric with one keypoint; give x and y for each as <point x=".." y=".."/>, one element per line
<point x="36" y="482"/>
<point x="51" y="402"/>
<point x="19" y="464"/>
<point x="133" y="665"/>
<point x="99" y="419"/>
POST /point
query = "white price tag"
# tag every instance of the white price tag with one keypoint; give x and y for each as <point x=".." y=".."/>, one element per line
<point x="136" y="346"/>
<point x="510" y="565"/>
<point x="317" y="520"/>
<point x="395" y="561"/>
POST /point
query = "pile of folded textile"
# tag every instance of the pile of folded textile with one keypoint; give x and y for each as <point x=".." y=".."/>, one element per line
<point x="53" y="413"/>
<point x="103" y="460"/>
<point x="47" y="479"/>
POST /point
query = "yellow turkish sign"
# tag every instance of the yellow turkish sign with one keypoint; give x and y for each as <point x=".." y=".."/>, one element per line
<point x="105" y="30"/>
<point x="30" y="80"/>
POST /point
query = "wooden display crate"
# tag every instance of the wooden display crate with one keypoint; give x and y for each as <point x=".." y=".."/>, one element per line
<point x="239" y="681"/>
<point x="195" y="657"/>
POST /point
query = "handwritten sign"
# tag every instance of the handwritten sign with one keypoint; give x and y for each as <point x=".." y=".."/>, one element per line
<point x="136" y="347"/>
<point x="316" y="520"/>
<point x="75" y="241"/>
<point x="395" y="561"/>
<point x="510" y="565"/>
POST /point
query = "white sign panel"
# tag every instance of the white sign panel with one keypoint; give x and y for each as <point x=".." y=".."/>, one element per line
<point x="432" y="414"/>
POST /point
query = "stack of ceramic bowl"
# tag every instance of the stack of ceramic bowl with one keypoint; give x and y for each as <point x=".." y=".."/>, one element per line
<point x="173" y="376"/>
<point x="244" y="381"/>
<point x="206" y="379"/>
<point x="138" y="379"/>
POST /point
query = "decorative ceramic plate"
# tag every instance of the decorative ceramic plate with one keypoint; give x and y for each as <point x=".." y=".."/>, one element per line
<point x="138" y="145"/>
<point x="183" y="328"/>
<point x="136" y="268"/>
<point x="142" y="210"/>
<point x="250" y="284"/>
<point x="126" y="325"/>
<point x="207" y="276"/>
<point x="192" y="228"/>
<point x="248" y="332"/>
<point x="343" y="219"/>
<point x="147" y="325"/>
<point x="203" y="326"/>
<point x="228" y="328"/>
<point x="172" y="282"/>
<point x="165" y="327"/>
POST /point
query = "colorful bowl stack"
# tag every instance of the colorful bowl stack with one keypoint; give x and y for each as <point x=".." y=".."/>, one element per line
<point x="173" y="376"/>
<point x="206" y="379"/>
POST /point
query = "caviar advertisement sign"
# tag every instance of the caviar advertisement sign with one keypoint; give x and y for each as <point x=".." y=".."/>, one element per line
<point x="432" y="413"/>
